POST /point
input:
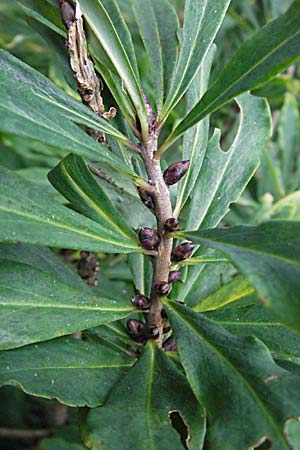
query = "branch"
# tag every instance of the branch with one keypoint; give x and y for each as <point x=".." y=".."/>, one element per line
<point x="163" y="211"/>
<point x="12" y="433"/>
<point x="89" y="86"/>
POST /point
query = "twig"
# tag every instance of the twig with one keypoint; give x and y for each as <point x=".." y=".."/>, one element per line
<point x="89" y="86"/>
<point x="163" y="211"/>
<point x="12" y="433"/>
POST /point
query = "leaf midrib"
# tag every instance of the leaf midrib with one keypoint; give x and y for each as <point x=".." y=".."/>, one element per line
<point x="149" y="415"/>
<point x="68" y="228"/>
<point x="39" y="369"/>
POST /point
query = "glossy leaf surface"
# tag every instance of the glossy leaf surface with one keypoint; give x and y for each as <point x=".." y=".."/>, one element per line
<point x="32" y="106"/>
<point x="30" y="214"/>
<point x="77" y="373"/>
<point x="35" y="306"/>
<point x="158" y="24"/>
<point x="244" y="391"/>
<point x="152" y="389"/>
<point x="73" y="180"/>
<point x="202" y="20"/>
<point x="267" y="52"/>
<point x="269" y="256"/>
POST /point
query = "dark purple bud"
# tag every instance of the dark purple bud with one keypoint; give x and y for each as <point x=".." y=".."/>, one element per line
<point x="152" y="332"/>
<point x="170" y="345"/>
<point x="175" y="172"/>
<point x="140" y="301"/>
<point x="149" y="238"/>
<point x="174" y="275"/>
<point x="166" y="328"/>
<point x="67" y="13"/>
<point x="162" y="288"/>
<point x="136" y="329"/>
<point x="146" y="198"/>
<point x="163" y="314"/>
<point x="171" y="224"/>
<point x="183" y="251"/>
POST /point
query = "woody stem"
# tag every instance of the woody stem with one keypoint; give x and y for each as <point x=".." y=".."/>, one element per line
<point x="163" y="211"/>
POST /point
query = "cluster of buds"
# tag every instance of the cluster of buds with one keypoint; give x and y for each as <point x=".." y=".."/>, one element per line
<point x="146" y="198"/>
<point x="149" y="238"/>
<point x="175" y="172"/>
<point x="183" y="251"/>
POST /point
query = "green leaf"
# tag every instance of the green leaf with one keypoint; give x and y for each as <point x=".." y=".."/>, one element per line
<point x="268" y="255"/>
<point x="57" y="369"/>
<point x="215" y="258"/>
<point x="235" y="378"/>
<point x="224" y="175"/>
<point x="195" y="140"/>
<point x="287" y="208"/>
<point x="28" y="213"/>
<point x="237" y="289"/>
<point x="59" y="444"/>
<point x="266" y="53"/>
<point x="254" y="320"/>
<point x="158" y="24"/>
<point x="289" y="141"/>
<point x="202" y="20"/>
<point x="201" y="280"/>
<point x="103" y="27"/>
<point x="36" y="306"/>
<point x="74" y="181"/>
<point x="114" y="12"/>
<point x="43" y="259"/>
<point x="152" y="389"/>
<point x="141" y="271"/>
<point x="32" y="106"/>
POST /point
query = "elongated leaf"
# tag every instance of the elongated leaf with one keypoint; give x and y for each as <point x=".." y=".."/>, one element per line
<point x="32" y="106"/>
<point x="141" y="270"/>
<point x="35" y="306"/>
<point x="152" y="390"/>
<point x="28" y="213"/>
<point x="43" y="259"/>
<point x="113" y="10"/>
<point x="245" y="393"/>
<point x="289" y="141"/>
<point x="59" y="444"/>
<point x="195" y="140"/>
<point x="267" y="52"/>
<point x="158" y="24"/>
<point x="224" y="176"/>
<point x="44" y="12"/>
<point x="201" y="281"/>
<point x="237" y="289"/>
<point x="101" y="24"/>
<point x="57" y="368"/>
<point x="74" y="180"/>
<point x="254" y="320"/>
<point x="202" y="20"/>
<point x="269" y="256"/>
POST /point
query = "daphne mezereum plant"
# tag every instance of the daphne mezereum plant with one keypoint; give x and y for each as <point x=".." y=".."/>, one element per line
<point x="183" y="361"/>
